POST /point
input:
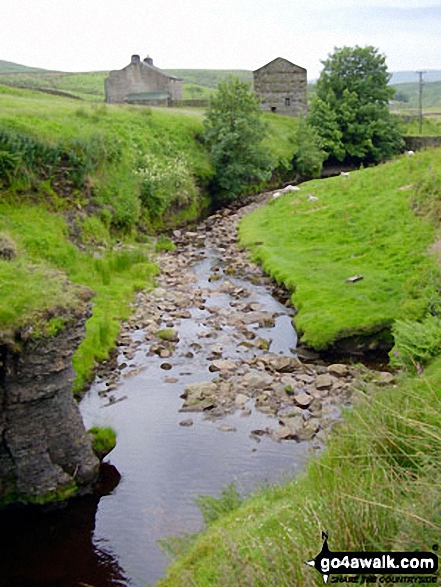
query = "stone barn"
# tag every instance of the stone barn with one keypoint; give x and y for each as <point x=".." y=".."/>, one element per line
<point x="141" y="82"/>
<point x="281" y="87"/>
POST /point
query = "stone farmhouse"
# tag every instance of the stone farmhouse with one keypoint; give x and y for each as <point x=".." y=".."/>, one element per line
<point x="281" y="87"/>
<point x="141" y="82"/>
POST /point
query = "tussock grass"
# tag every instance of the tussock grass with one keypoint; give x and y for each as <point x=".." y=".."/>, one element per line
<point x="375" y="487"/>
<point x="360" y="225"/>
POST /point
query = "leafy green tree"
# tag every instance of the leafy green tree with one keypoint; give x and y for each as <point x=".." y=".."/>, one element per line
<point x="309" y="157"/>
<point x="324" y="121"/>
<point x="233" y="131"/>
<point x="353" y="95"/>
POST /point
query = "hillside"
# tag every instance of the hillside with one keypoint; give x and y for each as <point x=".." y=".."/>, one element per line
<point x="209" y="78"/>
<point x="9" y="67"/>
<point x="407" y="94"/>
<point x="198" y="84"/>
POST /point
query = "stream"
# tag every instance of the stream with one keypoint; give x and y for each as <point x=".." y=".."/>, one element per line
<point x="224" y="399"/>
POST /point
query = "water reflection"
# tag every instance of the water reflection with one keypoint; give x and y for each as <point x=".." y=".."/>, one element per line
<point x="53" y="546"/>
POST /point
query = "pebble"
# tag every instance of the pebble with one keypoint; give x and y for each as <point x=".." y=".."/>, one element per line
<point x="307" y="396"/>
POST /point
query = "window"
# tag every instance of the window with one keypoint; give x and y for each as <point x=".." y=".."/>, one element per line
<point x="287" y="101"/>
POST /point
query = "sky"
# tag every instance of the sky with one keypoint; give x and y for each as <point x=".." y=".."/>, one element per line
<point x="95" y="35"/>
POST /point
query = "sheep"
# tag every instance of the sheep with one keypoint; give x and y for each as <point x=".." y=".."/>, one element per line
<point x="291" y="188"/>
<point x="276" y="195"/>
<point x="312" y="198"/>
<point x="410" y="153"/>
<point x="345" y="174"/>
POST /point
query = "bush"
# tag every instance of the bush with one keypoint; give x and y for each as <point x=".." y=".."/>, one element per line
<point x="164" y="183"/>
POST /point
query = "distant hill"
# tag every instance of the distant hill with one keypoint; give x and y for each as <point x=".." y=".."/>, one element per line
<point x="408" y="94"/>
<point x="9" y="67"/>
<point x="209" y="77"/>
<point x="405" y="77"/>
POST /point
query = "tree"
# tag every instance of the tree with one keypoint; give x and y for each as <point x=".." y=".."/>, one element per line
<point x="309" y="156"/>
<point x="351" y="107"/>
<point x="233" y="131"/>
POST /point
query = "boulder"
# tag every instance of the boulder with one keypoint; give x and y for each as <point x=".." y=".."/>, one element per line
<point x="281" y="363"/>
<point x="323" y="381"/>
<point x="221" y="365"/>
<point x="338" y="370"/>
<point x="303" y="400"/>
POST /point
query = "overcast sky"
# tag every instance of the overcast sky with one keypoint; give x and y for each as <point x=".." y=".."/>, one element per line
<point x="90" y="35"/>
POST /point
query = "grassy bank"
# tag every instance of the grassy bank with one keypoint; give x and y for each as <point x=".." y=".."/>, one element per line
<point x="365" y="225"/>
<point x="38" y="286"/>
<point x="376" y="487"/>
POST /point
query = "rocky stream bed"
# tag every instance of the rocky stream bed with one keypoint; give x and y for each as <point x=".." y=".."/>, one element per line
<point x="213" y="305"/>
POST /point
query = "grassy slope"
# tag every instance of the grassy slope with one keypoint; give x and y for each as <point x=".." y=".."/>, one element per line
<point x="376" y="487"/>
<point x="10" y="67"/>
<point x="34" y="289"/>
<point x="361" y="225"/>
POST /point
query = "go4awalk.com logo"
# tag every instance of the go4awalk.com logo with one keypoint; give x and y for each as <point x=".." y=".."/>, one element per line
<point x="378" y="563"/>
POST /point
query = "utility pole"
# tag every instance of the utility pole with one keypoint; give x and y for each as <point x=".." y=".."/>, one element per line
<point x="420" y="75"/>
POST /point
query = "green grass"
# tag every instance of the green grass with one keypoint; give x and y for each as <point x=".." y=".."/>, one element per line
<point x="198" y="84"/>
<point x="375" y="487"/>
<point x="361" y="225"/>
<point x="103" y="440"/>
<point x="431" y="124"/>
<point x="9" y="67"/>
<point x="34" y="287"/>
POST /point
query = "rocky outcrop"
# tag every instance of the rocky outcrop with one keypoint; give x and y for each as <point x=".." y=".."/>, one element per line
<point x="45" y="451"/>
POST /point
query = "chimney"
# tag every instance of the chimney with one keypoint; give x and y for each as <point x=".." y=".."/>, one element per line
<point x="135" y="59"/>
<point x="148" y="60"/>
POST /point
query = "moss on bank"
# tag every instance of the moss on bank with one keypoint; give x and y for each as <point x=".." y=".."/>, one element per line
<point x="103" y="440"/>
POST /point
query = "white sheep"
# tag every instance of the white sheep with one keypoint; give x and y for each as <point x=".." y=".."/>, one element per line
<point x="410" y="153"/>
<point x="312" y="198"/>
<point x="276" y="195"/>
<point x="345" y="174"/>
